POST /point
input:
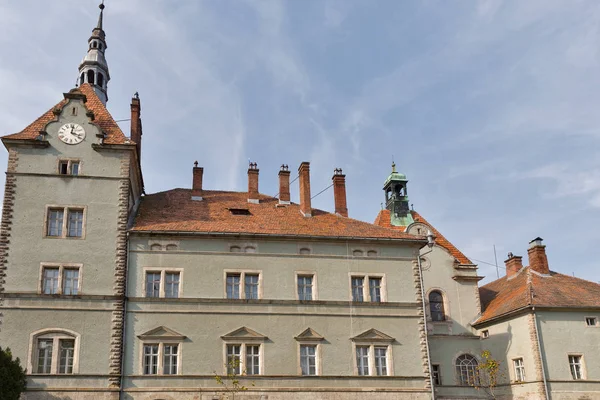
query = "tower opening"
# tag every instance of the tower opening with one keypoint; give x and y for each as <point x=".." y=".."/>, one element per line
<point x="90" y="77"/>
<point x="100" y="80"/>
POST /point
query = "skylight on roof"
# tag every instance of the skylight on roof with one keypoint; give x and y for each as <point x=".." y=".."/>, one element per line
<point x="239" y="211"/>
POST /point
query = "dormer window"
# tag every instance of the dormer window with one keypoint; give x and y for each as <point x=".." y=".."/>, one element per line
<point x="239" y="211"/>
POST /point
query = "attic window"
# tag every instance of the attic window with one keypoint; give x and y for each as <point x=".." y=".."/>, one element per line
<point x="485" y="334"/>
<point x="239" y="211"/>
<point x="591" y="321"/>
<point x="357" y="253"/>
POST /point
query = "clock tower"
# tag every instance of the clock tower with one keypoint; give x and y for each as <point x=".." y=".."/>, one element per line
<point x="396" y="198"/>
<point x="94" y="68"/>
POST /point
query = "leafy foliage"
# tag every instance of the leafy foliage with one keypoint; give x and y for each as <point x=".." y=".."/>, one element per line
<point x="231" y="382"/>
<point x="488" y="374"/>
<point x="12" y="376"/>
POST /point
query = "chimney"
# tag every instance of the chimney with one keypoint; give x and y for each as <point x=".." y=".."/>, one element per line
<point x="136" y="124"/>
<point x="252" y="183"/>
<point x="339" y="192"/>
<point x="304" y="173"/>
<point x="537" y="256"/>
<point x="513" y="265"/>
<point x="284" y="184"/>
<point x="197" y="182"/>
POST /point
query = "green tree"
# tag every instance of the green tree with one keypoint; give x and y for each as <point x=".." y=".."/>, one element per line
<point x="231" y="382"/>
<point x="488" y="374"/>
<point x="12" y="376"/>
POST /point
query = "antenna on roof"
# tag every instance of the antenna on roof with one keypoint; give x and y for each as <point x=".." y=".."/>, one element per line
<point x="496" y="261"/>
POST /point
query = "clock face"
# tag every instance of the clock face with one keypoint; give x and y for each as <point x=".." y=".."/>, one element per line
<point x="71" y="133"/>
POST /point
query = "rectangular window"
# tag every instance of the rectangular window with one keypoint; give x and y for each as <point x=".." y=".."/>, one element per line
<point x="68" y="167"/>
<point x="50" y="280"/>
<point x="44" y="364"/>
<point x="55" y="222"/>
<point x="381" y="361"/>
<point x="591" y="321"/>
<point x="252" y="360"/>
<point x="251" y="288"/>
<point x="67" y="351"/>
<point x="170" y="359"/>
<point x="436" y="373"/>
<point x="233" y="286"/>
<point x="150" y="362"/>
<point x="234" y="358"/>
<point x="308" y="359"/>
<point x="519" y="370"/>
<point x="357" y="289"/>
<point x="575" y="364"/>
<point x="74" y="167"/>
<point x="375" y="289"/>
<point x="172" y="285"/>
<point x="75" y="226"/>
<point x="362" y="360"/>
<point x="305" y="287"/>
<point x="63" y="167"/>
<point x="70" y="283"/>
<point x="152" y="284"/>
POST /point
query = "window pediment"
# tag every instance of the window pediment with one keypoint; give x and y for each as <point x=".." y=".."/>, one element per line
<point x="373" y="335"/>
<point x="244" y="333"/>
<point x="162" y="333"/>
<point x="309" y="335"/>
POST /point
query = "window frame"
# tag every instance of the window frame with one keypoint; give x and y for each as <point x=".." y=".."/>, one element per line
<point x="70" y="162"/>
<point x="161" y="343"/>
<point x="313" y="274"/>
<point x="446" y="305"/>
<point x="65" y="222"/>
<point x="594" y="319"/>
<point x="458" y="376"/>
<point x="582" y="369"/>
<point x="61" y="269"/>
<point x="243" y="343"/>
<point x="371" y="345"/>
<point x="163" y="271"/>
<point x="56" y="335"/>
<point x="242" y="273"/>
<point x="367" y="286"/>
<point x="436" y="374"/>
<point x="519" y="369"/>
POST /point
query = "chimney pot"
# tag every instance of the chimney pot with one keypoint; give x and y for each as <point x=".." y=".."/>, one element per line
<point x="513" y="265"/>
<point x="339" y="192"/>
<point x="284" y="184"/>
<point x="253" y="183"/>
<point x="197" y="173"/>
<point x="538" y="261"/>
<point x="304" y="174"/>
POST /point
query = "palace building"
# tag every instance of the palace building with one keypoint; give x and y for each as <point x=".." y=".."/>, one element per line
<point x="108" y="292"/>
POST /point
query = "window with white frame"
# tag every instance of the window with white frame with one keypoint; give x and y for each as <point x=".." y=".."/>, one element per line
<point x="60" y="279"/>
<point x="367" y="288"/>
<point x="160" y="358"/>
<point x="243" y="285"/>
<point x="576" y="366"/>
<point x="519" y="369"/>
<point x="591" y="321"/>
<point x="372" y="351"/>
<point x="65" y="222"/>
<point x="309" y="352"/>
<point x="436" y="306"/>
<point x="467" y="373"/>
<point x="243" y="352"/>
<point x="68" y="167"/>
<point x="306" y="286"/>
<point x="163" y="283"/>
<point x="436" y="373"/>
<point x="54" y="351"/>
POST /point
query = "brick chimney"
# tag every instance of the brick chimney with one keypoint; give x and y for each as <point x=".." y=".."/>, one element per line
<point x="197" y="182"/>
<point x="252" y="183"/>
<point x="304" y="173"/>
<point x="537" y="256"/>
<point x="136" y="124"/>
<point x="513" y="265"/>
<point x="339" y="192"/>
<point x="284" y="184"/>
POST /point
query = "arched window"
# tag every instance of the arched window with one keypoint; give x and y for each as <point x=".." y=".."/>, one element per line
<point x="156" y="247"/>
<point x="94" y="44"/>
<point x="54" y="351"/>
<point x="466" y="370"/>
<point x="99" y="46"/>
<point x="436" y="306"/>
<point x="371" y="253"/>
<point x="171" y="247"/>
<point x="249" y="249"/>
<point x="235" y="249"/>
<point x="82" y="79"/>
<point x="100" y="80"/>
<point x="357" y="253"/>
<point x="304" y="250"/>
<point x="91" y="79"/>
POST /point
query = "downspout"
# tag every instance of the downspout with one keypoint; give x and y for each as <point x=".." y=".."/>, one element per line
<point x="425" y="323"/>
<point x="537" y="337"/>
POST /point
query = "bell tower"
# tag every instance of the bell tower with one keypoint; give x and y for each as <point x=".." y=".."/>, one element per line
<point x="94" y="68"/>
<point x="396" y="198"/>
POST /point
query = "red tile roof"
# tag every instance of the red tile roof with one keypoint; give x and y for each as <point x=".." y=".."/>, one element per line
<point x="528" y="288"/>
<point x="175" y="211"/>
<point x="383" y="220"/>
<point x="103" y="119"/>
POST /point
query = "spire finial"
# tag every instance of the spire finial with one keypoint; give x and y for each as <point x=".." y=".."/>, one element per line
<point x="394" y="167"/>
<point x="101" y="7"/>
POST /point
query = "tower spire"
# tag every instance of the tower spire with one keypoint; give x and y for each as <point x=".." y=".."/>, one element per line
<point x="94" y="68"/>
<point x="396" y="198"/>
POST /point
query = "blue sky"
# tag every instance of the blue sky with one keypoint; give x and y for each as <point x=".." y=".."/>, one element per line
<point x="491" y="108"/>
